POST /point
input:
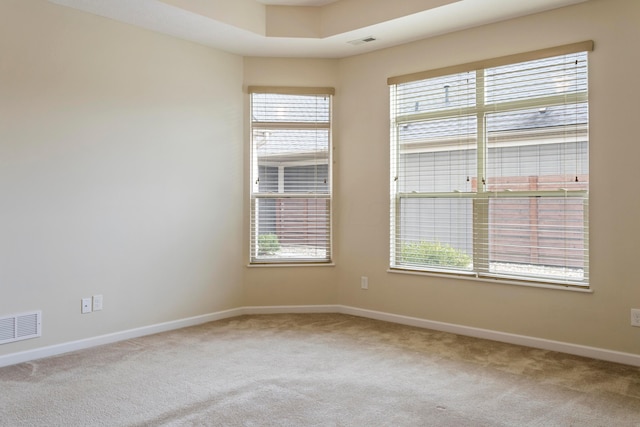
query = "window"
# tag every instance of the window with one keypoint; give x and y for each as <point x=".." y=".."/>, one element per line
<point x="290" y="175"/>
<point x="490" y="168"/>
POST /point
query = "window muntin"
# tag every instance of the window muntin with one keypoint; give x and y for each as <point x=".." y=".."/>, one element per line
<point x="290" y="177"/>
<point x="523" y="130"/>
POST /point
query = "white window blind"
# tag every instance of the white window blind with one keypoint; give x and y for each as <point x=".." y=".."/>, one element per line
<point x="290" y="175"/>
<point x="490" y="168"/>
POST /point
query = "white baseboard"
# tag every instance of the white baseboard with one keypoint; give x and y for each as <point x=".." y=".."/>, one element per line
<point x="563" y="347"/>
<point x="54" y="350"/>
<point x="282" y="309"/>
<point x="544" y="344"/>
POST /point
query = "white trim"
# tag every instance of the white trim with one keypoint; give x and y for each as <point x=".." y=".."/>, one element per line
<point x="54" y="350"/>
<point x="282" y="309"/>
<point x="559" y="346"/>
<point x="291" y="264"/>
<point x="497" y="280"/>
<point x="563" y="347"/>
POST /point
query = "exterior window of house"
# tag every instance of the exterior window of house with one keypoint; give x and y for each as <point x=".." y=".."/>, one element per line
<point x="490" y="169"/>
<point x="291" y="175"/>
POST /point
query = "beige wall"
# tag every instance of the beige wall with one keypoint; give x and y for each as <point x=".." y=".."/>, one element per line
<point x="120" y="173"/>
<point x="265" y="286"/>
<point x="123" y="156"/>
<point x="361" y="233"/>
<point x="600" y="319"/>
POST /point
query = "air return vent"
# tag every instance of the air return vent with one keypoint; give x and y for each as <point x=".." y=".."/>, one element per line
<point x="20" y="327"/>
<point x="363" y="40"/>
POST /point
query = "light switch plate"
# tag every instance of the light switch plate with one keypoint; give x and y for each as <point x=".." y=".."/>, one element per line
<point x="97" y="302"/>
<point x="635" y="317"/>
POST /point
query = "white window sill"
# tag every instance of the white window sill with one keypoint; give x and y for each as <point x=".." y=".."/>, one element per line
<point x="292" y="264"/>
<point x="558" y="287"/>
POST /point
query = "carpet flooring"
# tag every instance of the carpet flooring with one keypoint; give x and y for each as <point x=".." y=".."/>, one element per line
<point x="316" y="370"/>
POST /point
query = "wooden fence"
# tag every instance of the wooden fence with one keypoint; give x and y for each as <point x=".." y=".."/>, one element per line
<point x="538" y="230"/>
<point x="302" y="222"/>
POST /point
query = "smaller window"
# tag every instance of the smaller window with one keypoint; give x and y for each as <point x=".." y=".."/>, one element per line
<point x="290" y="175"/>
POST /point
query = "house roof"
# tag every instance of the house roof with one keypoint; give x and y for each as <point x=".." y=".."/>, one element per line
<point x="528" y="120"/>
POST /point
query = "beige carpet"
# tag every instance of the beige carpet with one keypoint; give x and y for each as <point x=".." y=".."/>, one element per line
<point x="317" y="370"/>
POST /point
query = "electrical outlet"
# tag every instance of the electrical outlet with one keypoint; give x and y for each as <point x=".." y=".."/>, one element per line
<point x="97" y="302"/>
<point x="364" y="282"/>
<point x="635" y="317"/>
<point x="86" y="305"/>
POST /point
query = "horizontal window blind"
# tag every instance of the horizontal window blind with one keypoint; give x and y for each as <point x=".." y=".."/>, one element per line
<point x="290" y="175"/>
<point x="490" y="169"/>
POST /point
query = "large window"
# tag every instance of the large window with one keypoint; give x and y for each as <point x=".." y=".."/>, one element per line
<point x="490" y="168"/>
<point x="290" y="175"/>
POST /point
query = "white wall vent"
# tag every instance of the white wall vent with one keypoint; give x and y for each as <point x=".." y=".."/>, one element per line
<point x="19" y="327"/>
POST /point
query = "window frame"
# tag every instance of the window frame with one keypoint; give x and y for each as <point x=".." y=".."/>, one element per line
<point x="280" y="194"/>
<point x="481" y="197"/>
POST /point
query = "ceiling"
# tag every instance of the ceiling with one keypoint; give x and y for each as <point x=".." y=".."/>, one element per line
<point x="308" y="28"/>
